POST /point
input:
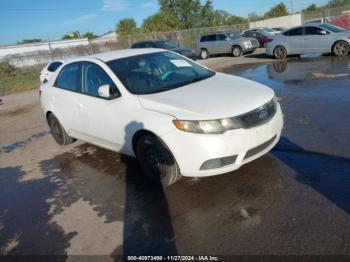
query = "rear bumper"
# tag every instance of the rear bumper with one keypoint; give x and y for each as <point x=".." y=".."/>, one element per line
<point x="192" y="150"/>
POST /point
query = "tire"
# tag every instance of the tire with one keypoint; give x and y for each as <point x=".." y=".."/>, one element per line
<point x="156" y="161"/>
<point x="236" y="51"/>
<point x="340" y="48"/>
<point x="59" y="134"/>
<point x="280" y="52"/>
<point x="204" y="54"/>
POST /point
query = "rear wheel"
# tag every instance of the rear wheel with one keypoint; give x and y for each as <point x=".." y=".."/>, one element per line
<point x="340" y="48"/>
<point x="204" y="54"/>
<point x="236" y="51"/>
<point x="59" y="134"/>
<point x="156" y="161"/>
<point x="280" y="52"/>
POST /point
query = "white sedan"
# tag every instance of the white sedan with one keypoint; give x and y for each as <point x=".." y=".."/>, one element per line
<point x="48" y="70"/>
<point x="310" y="38"/>
<point x="174" y="115"/>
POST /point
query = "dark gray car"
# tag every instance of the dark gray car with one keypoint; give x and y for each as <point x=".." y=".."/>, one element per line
<point x="225" y="43"/>
<point x="168" y="45"/>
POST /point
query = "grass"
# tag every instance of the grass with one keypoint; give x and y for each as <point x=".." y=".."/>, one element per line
<point x="19" y="83"/>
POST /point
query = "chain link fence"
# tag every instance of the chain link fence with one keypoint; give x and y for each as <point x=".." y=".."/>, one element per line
<point x="326" y="14"/>
<point x="185" y="38"/>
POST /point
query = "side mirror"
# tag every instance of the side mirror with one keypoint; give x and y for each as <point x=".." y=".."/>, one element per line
<point x="104" y="91"/>
<point x="108" y="92"/>
<point x="323" y="32"/>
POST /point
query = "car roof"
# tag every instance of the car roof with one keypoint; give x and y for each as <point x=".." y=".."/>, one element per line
<point x="112" y="55"/>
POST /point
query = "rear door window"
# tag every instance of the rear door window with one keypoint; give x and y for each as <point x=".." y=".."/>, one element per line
<point x="68" y="78"/>
<point x="294" y="32"/>
<point x="211" y="38"/>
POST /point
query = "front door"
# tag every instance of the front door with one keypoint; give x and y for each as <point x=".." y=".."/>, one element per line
<point x="105" y="126"/>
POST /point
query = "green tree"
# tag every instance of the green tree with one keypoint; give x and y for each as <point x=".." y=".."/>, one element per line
<point x="29" y="41"/>
<point x="126" y="26"/>
<point x="311" y="8"/>
<point x="89" y="35"/>
<point x="159" y="22"/>
<point x="252" y="17"/>
<point x="186" y="13"/>
<point x="276" y="11"/>
<point x="72" y="35"/>
<point x="336" y="3"/>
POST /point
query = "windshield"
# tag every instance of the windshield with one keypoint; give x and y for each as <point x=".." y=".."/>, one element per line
<point x="167" y="44"/>
<point x="332" y="28"/>
<point x="157" y="72"/>
<point x="267" y="29"/>
<point x="233" y="35"/>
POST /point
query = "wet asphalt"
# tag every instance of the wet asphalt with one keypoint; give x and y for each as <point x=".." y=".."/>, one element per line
<point x="293" y="201"/>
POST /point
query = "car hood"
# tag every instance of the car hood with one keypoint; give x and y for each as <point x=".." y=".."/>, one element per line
<point x="217" y="97"/>
<point x="181" y="50"/>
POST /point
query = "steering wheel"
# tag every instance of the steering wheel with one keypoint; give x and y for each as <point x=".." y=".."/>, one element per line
<point x="166" y="75"/>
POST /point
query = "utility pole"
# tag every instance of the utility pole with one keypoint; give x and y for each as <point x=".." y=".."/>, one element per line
<point x="291" y="7"/>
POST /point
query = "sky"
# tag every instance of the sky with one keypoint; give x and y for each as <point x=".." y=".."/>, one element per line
<point x="51" y="19"/>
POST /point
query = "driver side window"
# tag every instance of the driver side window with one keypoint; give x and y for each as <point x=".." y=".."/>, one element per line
<point x="94" y="77"/>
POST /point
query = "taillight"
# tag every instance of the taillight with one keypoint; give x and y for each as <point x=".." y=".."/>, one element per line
<point x="269" y="40"/>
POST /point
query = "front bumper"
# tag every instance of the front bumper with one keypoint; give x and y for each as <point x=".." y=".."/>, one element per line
<point x="192" y="150"/>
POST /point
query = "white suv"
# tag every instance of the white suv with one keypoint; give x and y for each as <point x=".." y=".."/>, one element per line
<point x="176" y="116"/>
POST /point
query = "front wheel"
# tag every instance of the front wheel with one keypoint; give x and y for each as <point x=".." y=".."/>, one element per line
<point x="340" y="48"/>
<point x="156" y="161"/>
<point x="236" y="51"/>
<point x="204" y="54"/>
<point x="280" y="52"/>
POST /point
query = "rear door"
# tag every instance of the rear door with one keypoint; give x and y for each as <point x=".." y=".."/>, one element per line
<point x="65" y="98"/>
<point x="294" y="40"/>
<point x="209" y="43"/>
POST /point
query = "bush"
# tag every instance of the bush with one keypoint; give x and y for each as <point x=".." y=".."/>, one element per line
<point x="7" y="70"/>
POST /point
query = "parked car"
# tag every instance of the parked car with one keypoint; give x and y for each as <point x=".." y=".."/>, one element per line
<point x="168" y="45"/>
<point x="48" y="70"/>
<point x="265" y="30"/>
<point x="225" y="43"/>
<point x="310" y="38"/>
<point x="279" y="29"/>
<point x="262" y="36"/>
<point x="174" y="115"/>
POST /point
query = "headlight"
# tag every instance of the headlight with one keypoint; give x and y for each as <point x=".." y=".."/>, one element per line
<point x="208" y="126"/>
<point x="247" y="43"/>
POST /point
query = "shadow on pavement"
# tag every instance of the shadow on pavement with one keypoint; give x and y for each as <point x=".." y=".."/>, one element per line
<point x="147" y="224"/>
<point x="327" y="174"/>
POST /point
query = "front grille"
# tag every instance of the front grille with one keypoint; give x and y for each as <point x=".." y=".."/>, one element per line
<point x="260" y="148"/>
<point x="259" y="116"/>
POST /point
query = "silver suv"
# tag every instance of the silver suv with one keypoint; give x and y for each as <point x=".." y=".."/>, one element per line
<point x="225" y="43"/>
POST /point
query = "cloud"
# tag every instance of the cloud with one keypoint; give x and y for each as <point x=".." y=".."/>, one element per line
<point x="80" y="19"/>
<point x="149" y="4"/>
<point x="114" y="5"/>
